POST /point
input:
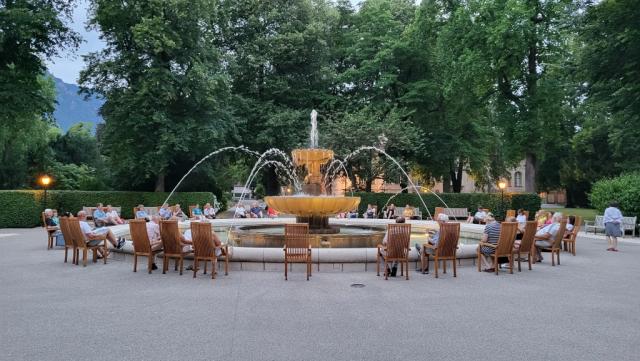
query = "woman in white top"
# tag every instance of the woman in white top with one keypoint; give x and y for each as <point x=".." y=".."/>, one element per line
<point x="613" y="225"/>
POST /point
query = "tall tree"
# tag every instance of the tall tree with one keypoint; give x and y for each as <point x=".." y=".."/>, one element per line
<point x="30" y="31"/>
<point x="162" y="77"/>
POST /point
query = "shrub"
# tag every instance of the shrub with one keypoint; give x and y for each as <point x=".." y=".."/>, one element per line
<point x="22" y="208"/>
<point x="493" y="201"/>
<point x="624" y="189"/>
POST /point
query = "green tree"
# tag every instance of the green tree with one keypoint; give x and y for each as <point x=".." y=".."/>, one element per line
<point x="161" y="74"/>
<point x="30" y="32"/>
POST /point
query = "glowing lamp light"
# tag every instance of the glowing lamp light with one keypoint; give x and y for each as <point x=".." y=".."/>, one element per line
<point x="502" y="184"/>
<point x="45" y="180"/>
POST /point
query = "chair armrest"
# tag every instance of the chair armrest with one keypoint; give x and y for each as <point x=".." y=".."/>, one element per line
<point x="488" y="244"/>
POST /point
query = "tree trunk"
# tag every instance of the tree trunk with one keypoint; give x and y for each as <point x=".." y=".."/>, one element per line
<point x="160" y="182"/>
<point x="270" y="182"/>
<point x="530" y="166"/>
<point x="446" y="184"/>
<point x="367" y="185"/>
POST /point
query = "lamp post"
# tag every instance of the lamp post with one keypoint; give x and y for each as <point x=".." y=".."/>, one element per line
<point x="502" y="185"/>
<point x="45" y="180"/>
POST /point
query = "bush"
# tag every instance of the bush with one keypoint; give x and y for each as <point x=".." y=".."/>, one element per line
<point x="624" y="189"/>
<point x="22" y="209"/>
<point x="493" y="201"/>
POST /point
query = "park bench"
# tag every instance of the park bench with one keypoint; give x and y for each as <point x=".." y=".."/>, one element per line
<point x="628" y="224"/>
<point x="416" y="211"/>
<point x="89" y="211"/>
<point x="452" y="212"/>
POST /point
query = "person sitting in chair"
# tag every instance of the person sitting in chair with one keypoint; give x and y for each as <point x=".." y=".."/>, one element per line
<point x="90" y="234"/>
<point x="434" y="238"/>
<point x="100" y="217"/>
<point x="112" y="215"/>
<point x="255" y="211"/>
<point x="546" y="235"/>
<point x="165" y="212"/>
<point x="153" y="231"/>
<point x="491" y="235"/>
<point x="141" y="212"/>
<point x="408" y="212"/>
<point x="240" y="211"/>
<point x="178" y="213"/>
<point x="478" y="217"/>
<point x="394" y="267"/>
<point x="209" y="212"/>
<point x="370" y="212"/>
<point x="390" y="211"/>
<point x="197" y="212"/>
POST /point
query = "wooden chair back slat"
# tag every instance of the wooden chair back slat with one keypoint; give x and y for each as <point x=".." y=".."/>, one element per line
<point x="528" y="236"/>
<point x="557" y="241"/>
<point x="448" y="241"/>
<point x="76" y="233"/>
<point x="296" y="239"/>
<point x="139" y="236"/>
<point x="398" y="237"/>
<point x="170" y="235"/>
<point x="66" y="232"/>
<point x="202" y="238"/>
<point x="508" y="232"/>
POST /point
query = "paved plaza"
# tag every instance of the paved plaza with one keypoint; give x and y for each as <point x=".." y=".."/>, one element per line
<point x="585" y="309"/>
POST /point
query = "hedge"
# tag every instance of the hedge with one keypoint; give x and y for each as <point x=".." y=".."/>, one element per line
<point x="624" y="189"/>
<point x="493" y="201"/>
<point x="21" y="209"/>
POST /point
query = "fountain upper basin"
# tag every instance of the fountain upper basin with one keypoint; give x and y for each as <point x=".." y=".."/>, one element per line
<point x="310" y="206"/>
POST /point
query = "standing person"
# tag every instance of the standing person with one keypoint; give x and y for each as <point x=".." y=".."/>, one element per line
<point x="613" y="225"/>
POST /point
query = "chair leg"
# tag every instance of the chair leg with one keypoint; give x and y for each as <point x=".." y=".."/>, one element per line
<point x="150" y="259"/>
<point x="214" y="266"/>
<point x="407" y="267"/>
<point x="106" y="250"/>
<point x="495" y="262"/>
<point x="378" y="263"/>
<point x="175" y="265"/>
<point x="553" y="260"/>
<point x="226" y="265"/>
<point x="84" y="257"/>
<point x="285" y="267"/>
<point x="135" y="262"/>
<point x="180" y="261"/>
<point x="205" y="268"/>
<point x="195" y="266"/>
<point x="511" y="264"/>
<point x="444" y="266"/>
<point x="529" y="259"/>
<point x="164" y="264"/>
<point x="454" y="267"/>
<point x="386" y="272"/>
<point x="479" y="261"/>
<point x="66" y="249"/>
<point x="519" y="268"/>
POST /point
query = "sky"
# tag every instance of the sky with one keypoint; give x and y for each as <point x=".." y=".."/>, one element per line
<point x="67" y="66"/>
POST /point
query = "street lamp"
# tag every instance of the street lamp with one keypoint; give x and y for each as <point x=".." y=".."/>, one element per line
<point x="502" y="185"/>
<point x="45" y="180"/>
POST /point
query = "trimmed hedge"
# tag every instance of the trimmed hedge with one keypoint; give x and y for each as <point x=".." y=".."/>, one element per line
<point x="625" y="189"/>
<point x="21" y="209"/>
<point x="527" y="201"/>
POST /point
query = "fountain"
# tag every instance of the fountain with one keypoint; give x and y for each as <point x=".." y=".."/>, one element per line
<point x="313" y="206"/>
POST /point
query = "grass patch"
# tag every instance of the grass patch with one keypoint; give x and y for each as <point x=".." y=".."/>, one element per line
<point x="587" y="214"/>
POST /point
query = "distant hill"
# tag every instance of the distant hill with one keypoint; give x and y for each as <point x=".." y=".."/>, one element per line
<point x="72" y="107"/>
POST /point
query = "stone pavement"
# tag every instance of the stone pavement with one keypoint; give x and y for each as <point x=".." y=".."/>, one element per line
<point x="585" y="309"/>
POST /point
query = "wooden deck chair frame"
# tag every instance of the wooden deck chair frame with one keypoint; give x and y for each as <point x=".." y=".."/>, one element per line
<point x="445" y="250"/>
<point x="504" y="247"/>
<point x="141" y="244"/>
<point x="297" y="247"/>
<point x="82" y="243"/>
<point x="204" y="249"/>
<point x="171" y="244"/>
<point x="570" y="243"/>
<point x="396" y="249"/>
<point x="556" y="246"/>
<point x="68" y="240"/>
<point x="526" y="244"/>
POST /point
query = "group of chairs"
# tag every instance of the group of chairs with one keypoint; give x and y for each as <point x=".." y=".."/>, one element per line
<point x="397" y="247"/>
<point x="76" y="241"/>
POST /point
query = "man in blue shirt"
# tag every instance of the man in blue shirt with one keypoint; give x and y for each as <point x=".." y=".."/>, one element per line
<point x="100" y="217"/>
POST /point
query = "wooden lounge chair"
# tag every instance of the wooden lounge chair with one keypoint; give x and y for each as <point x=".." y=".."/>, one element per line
<point x="504" y="248"/>
<point x="526" y="243"/>
<point x="297" y="247"/>
<point x="556" y="246"/>
<point x="446" y="248"/>
<point x="141" y="243"/>
<point x="395" y="250"/>
<point x="569" y="243"/>
<point x="82" y="243"/>
<point x="204" y="249"/>
<point x="50" y="231"/>
<point x="68" y="240"/>
<point x="172" y="245"/>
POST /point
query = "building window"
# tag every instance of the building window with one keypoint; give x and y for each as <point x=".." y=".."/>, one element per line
<point x="517" y="179"/>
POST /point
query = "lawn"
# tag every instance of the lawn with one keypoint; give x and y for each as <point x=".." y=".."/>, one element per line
<point x="587" y="214"/>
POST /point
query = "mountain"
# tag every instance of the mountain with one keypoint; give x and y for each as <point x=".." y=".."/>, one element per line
<point x="72" y="107"/>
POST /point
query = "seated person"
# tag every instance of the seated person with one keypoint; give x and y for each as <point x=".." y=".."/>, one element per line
<point x="94" y="236"/>
<point x="521" y="218"/>
<point x="209" y="212"/>
<point x="178" y="213"/>
<point x="546" y="235"/>
<point x="255" y="211"/>
<point x="394" y="267"/>
<point x="353" y="213"/>
<point x="491" y="235"/>
<point x="370" y="212"/>
<point x="165" y="212"/>
<point x="49" y="219"/>
<point x="187" y="242"/>
<point x="571" y="221"/>
<point x="390" y="211"/>
<point x="197" y="212"/>
<point x="408" y="212"/>
<point x="113" y="216"/>
<point x="141" y="212"/>
<point x="100" y="217"/>
<point x="240" y="211"/>
<point x="433" y="239"/>
<point x="478" y="217"/>
<point x="271" y="212"/>
<point x="153" y="231"/>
